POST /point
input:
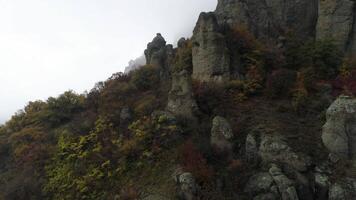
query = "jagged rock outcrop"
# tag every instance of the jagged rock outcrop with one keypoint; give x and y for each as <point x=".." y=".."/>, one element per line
<point x="187" y="188"/>
<point x="339" y="131"/>
<point x="211" y="60"/>
<point x="336" y="21"/>
<point x="343" y="190"/>
<point x="180" y="98"/>
<point x="259" y="183"/>
<point x="270" y="19"/>
<point x="274" y="149"/>
<point x="221" y="134"/>
<point x="271" y="185"/>
<point x="285" y="185"/>
<point x="160" y="55"/>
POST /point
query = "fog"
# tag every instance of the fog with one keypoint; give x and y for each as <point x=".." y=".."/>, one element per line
<point x="50" y="46"/>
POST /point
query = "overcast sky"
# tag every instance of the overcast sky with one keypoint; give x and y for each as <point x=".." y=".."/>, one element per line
<point x="50" y="46"/>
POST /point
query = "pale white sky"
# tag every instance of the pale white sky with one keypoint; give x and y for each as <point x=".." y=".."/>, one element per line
<point x="50" y="46"/>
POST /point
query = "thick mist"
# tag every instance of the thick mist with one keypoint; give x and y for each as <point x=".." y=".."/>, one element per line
<point x="48" y="47"/>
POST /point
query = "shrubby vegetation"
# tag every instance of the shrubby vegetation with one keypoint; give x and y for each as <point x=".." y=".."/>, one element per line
<point x="72" y="146"/>
<point x="76" y="146"/>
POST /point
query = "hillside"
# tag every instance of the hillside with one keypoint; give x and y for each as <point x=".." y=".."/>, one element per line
<point x="258" y="104"/>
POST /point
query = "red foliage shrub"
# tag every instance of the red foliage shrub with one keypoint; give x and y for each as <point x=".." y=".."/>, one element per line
<point x="129" y="193"/>
<point x="194" y="162"/>
<point x="345" y="84"/>
<point x="208" y="96"/>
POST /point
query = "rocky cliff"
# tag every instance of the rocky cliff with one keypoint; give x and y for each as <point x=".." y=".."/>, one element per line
<point x="270" y="18"/>
<point x="270" y="21"/>
<point x="336" y="20"/>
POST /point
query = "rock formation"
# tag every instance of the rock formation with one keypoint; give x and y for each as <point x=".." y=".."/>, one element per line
<point x="180" y="97"/>
<point x="343" y="190"/>
<point x="339" y="131"/>
<point x="221" y="134"/>
<point x="273" y="148"/>
<point x="336" y="21"/>
<point x="270" y="19"/>
<point x="211" y="60"/>
<point x="187" y="187"/>
<point x="251" y="149"/>
<point x="271" y="185"/>
<point x="160" y="55"/>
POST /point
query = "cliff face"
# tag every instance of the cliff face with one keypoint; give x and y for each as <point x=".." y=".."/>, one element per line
<point x="337" y="21"/>
<point x="269" y="21"/>
<point x="210" y="54"/>
<point x="270" y="18"/>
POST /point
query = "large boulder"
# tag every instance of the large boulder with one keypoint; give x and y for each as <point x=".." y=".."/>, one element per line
<point x="336" y="21"/>
<point x="187" y="188"/>
<point x="270" y="19"/>
<point x="271" y="185"/>
<point x="221" y="135"/>
<point x="259" y="183"/>
<point x="180" y="98"/>
<point x="211" y="61"/>
<point x="339" y="131"/>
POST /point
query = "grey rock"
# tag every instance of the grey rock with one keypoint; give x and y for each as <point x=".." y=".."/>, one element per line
<point x="221" y="134"/>
<point x="181" y="42"/>
<point x="259" y="183"/>
<point x="211" y="60"/>
<point x="187" y="187"/>
<point x="268" y="196"/>
<point x="336" y="20"/>
<point x="180" y="98"/>
<point x="285" y="185"/>
<point x="158" y="43"/>
<point x="270" y="18"/>
<point x="273" y="148"/>
<point x="343" y="190"/>
<point x="160" y="55"/>
<point x="337" y="192"/>
<point x="322" y="184"/>
<point x="339" y="131"/>
<point x="125" y="114"/>
<point x="251" y="149"/>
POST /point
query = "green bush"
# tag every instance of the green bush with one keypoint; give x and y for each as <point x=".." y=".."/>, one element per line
<point x="323" y="55"/>
<point x="84" y="167"/>
<point x="61" y="110"/>
<point x="145" y="78"/>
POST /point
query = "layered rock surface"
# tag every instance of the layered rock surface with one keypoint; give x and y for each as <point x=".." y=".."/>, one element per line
<point x="339" y="131"/>
<point x="336" y="21"/>
<point x="180" y="98"/>
<point x="160" y="55"/>
<point x="211" y="60"/>
<point x="270" y="18"/>
<point x="221" y="134"/>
